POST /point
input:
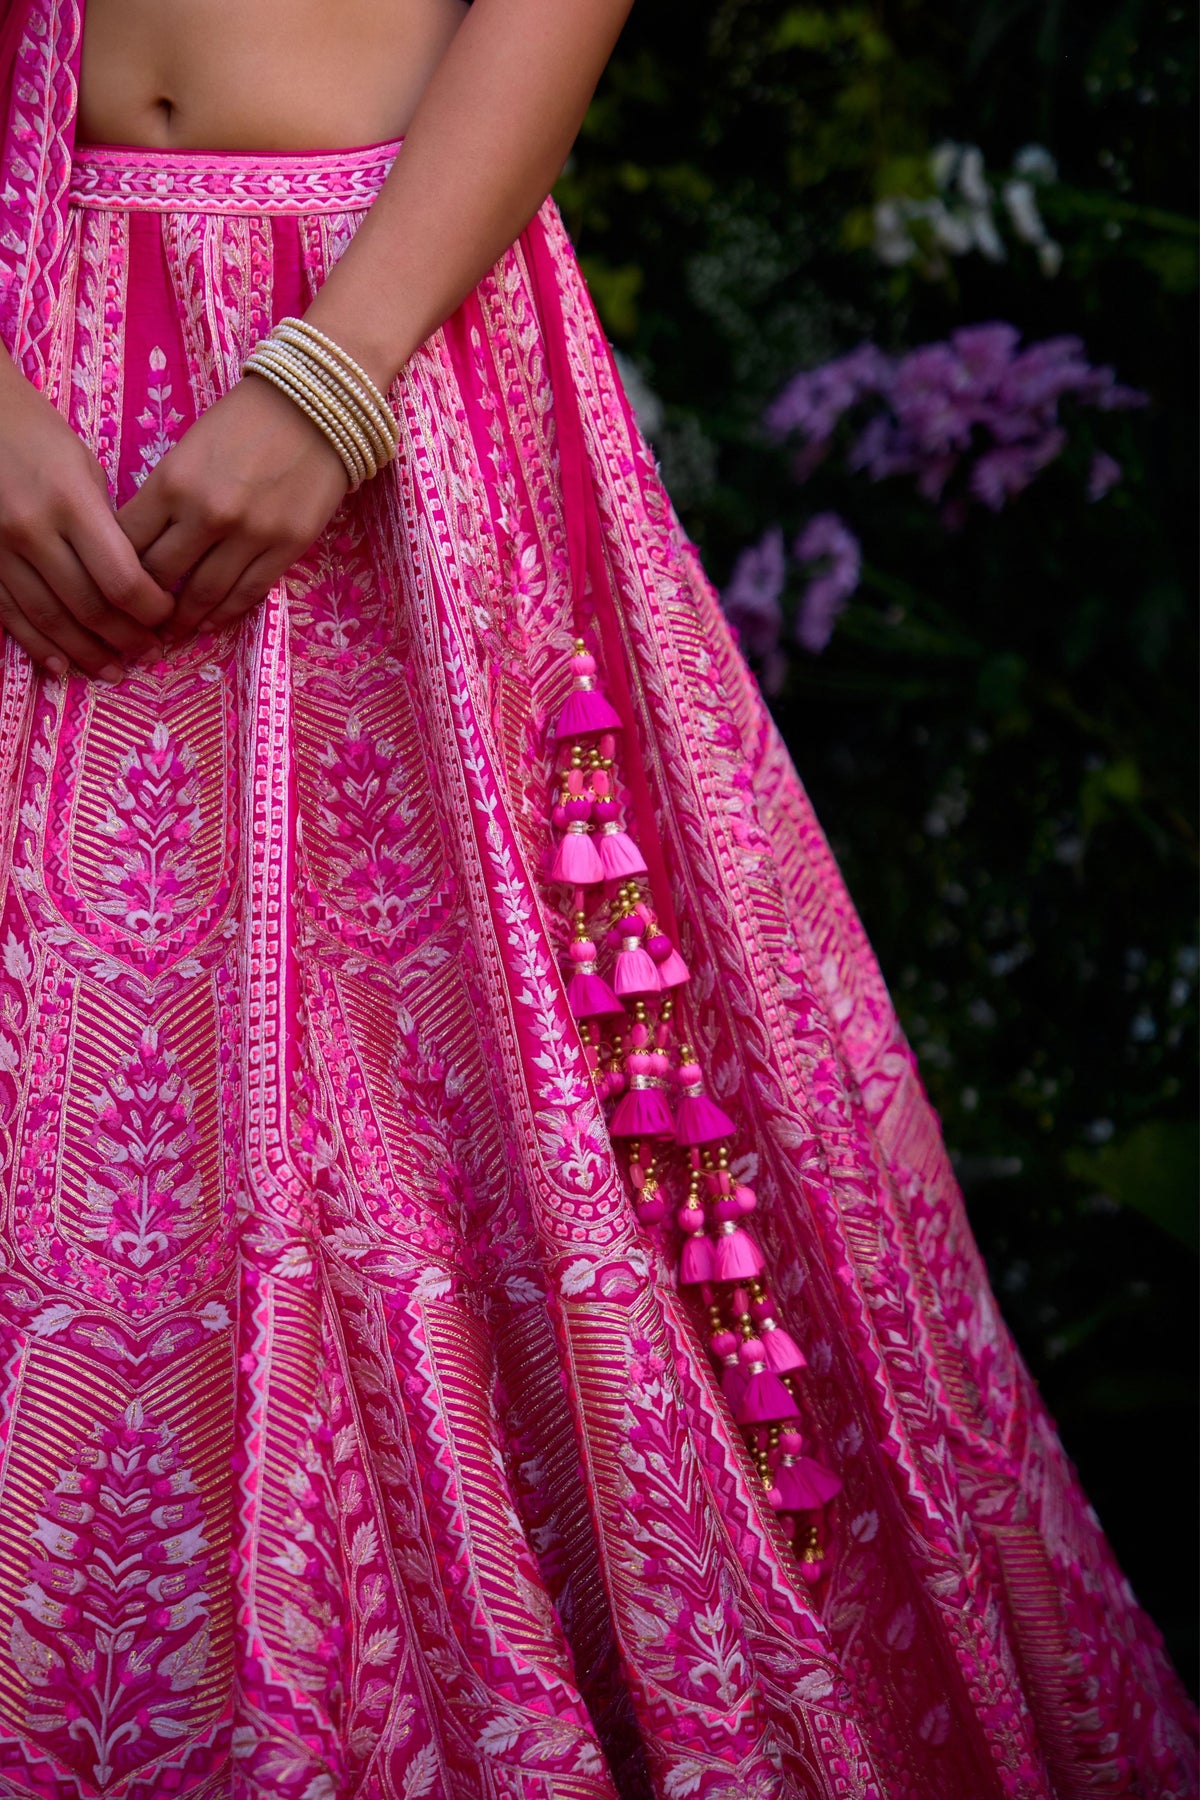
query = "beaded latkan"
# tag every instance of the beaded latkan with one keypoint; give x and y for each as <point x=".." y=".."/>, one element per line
<point x="604" y="871"/>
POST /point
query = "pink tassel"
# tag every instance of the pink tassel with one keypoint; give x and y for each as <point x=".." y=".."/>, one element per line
<point x="588" y="994"/>
<point x="725" y="1349"/>
<point x="804" y="1483"/>
<point x="642" y="1111"/>
<point x="695" y="1260"/>
<point x="701" y="1121"/>
<point x="577" y="862"/>
<point x="782" y="1352"/>
<point x="586" y="708"/>
<point x="784" y="1355"/>
<point x="737" y="1257"/>
<point x="673" y="971"/>
<point x="618" y="852"/>
<point x="633" y="972"/>
<point x="590" y="997"/>
<point x="698" y="1120"/>
<point x="764" y="1399"/>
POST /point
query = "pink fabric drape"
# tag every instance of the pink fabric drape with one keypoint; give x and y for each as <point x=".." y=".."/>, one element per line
<point x="356" y="1437"/>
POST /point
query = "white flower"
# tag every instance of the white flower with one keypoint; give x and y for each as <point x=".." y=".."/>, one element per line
<point x="893" y="243"/>
<point x="1020" y="203"/>
<point x="1036" y="162"/>
<point x="972" y="180"/>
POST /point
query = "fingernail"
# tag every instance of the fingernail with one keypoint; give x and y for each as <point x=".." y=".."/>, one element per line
<point x="56" y="666"/>
<point x="149" y="657"/>
<point x="113" y="673"/>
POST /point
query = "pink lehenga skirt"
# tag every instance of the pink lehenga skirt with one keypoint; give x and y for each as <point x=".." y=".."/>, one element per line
<point x="362" y="1429"/>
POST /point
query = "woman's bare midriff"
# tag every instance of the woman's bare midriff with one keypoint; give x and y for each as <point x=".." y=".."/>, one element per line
<point x="258" y="74"/>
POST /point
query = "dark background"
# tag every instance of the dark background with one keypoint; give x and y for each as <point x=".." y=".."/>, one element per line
<point x="999" y="738"/>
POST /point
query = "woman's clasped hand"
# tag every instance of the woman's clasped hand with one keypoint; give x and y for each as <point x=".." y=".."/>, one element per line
<point x="213" y="527"/>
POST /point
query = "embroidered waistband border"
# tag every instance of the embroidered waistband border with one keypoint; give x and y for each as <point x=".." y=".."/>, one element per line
<point x="130" y="178"/>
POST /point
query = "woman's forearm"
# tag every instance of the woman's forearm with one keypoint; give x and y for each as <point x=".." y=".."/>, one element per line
<point x="486" y="144"/>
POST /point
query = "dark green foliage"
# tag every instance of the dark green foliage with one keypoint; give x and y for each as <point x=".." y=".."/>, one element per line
<point x="1000" y="737"/>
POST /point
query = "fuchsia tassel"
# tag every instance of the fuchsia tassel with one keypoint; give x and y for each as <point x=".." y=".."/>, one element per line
<point x="736" y="1257"/>
<point x="586" y="708"/>
<point x="642" y="1111"/>
<point x="673" y="971"/>
<point x="588" y="994"/>
<point x="782" y="1352"/>
<point x="725" y="1349"/>
<point x="764" y="1400"/>
<point x="698" y="1120"/>
<point x="590" y="997"/>
<point x="695" y="1259"/>
<point x="804" y="1483"/>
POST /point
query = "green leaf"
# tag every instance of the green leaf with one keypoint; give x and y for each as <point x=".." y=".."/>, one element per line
<point x="1155" y="1170"/>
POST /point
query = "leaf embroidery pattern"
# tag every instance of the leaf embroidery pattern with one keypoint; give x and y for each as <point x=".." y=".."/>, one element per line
<point x="152" y="819"/>
<point x="158" y="417"/>
<point x="143" y="1186"/>
<point x="365" y="810"/>
<point x="112" y="1632"/>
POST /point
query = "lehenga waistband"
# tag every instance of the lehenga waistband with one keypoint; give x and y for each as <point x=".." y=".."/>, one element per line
<point x="130" y="178"/>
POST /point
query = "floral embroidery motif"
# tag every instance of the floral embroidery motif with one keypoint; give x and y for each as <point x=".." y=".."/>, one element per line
<point x="158" y="417"/>
<point x="366" y="808"/>
<point x="112" y="1633"/>
<point x="143" y="1186"/>
<point x="152" y="818"/>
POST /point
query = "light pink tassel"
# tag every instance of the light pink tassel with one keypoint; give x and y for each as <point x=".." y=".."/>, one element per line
<point x="578" y="861"/>
<point x="618" y="852"/>
<point x="634" y="972"/>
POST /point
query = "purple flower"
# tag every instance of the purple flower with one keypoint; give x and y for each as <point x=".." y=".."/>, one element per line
<point x="1000" y="475"/>
<point x="977" y="402"/>
<point x="1104" y="475"/>
<point x="751" y="603"/>
<point x="814" y="401"/>
<point x="828" y="540"/>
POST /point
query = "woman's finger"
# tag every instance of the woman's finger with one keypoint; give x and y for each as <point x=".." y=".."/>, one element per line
<point x="213" y="579"/>
<point x="69" y="581"/>
<point x="147" y="513"/>
<point x="50" y="619"/>
<point x="174" y="557"/>
<point x="39" y="648"/>
<point x="111" y="560"/>
<point x="248" y="592"/>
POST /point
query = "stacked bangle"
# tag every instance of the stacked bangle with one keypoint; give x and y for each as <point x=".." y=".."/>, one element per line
<point x="332" y="390"/>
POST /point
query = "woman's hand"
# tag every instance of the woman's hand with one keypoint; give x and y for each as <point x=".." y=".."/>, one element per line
<point x="71" y="586"/>
<point x="232" y="505"/>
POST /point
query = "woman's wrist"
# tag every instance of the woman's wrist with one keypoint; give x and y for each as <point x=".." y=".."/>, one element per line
<point x="377" y="345"/>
